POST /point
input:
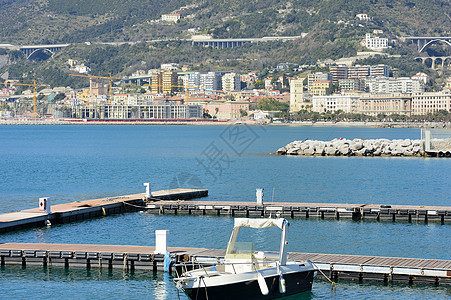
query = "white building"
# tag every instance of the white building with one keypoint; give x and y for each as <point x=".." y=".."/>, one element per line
<point x="211" y="81"/>
<point x="296" y="94"/>
<point x="192" y="81"/>
<point x="231" y="82"/>
<point x="332" y="103"/>
<point x="170" y="18"/>
<point x="362" y="17"/>
<point x="375" y="43"/>
<point x="424" y="103"/>
<point x="170" y="66"/>
<point x="405" y="85"/>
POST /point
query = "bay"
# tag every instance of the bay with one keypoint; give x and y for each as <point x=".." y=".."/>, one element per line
<point x="71" y="163"/>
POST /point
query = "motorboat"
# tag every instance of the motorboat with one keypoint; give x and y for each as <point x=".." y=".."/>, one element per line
<point x="244" y="273"/>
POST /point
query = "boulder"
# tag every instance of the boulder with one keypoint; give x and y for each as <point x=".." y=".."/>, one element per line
<point x="344" y="149"/>
<point x="331" y="150"/>
<point x="355" y="146"/>
<point x="281" y="151"/>
<point x="292" y="151"/>
<point x="405" y="143"/>
<point x="309" y="151"/>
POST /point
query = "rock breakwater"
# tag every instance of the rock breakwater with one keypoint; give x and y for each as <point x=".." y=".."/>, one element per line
<point x="355" y="147"/>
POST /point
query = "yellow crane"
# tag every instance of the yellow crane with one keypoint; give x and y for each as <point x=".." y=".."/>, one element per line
<point x="110" y="80"/>
<point x="34" y="85"/>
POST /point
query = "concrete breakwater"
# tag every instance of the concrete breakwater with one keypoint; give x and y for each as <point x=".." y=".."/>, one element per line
<point x="355" y="147"/>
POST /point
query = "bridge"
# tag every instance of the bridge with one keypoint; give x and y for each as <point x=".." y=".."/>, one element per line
<point x="436" y="61"/>
<point x="425" y="41"/>
<point x="232" y="43"/>
<point x="44" y="51"/>
<point x="36" y="51"/>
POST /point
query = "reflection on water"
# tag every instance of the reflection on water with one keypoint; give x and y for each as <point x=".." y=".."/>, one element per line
<point x="60" y="283"/>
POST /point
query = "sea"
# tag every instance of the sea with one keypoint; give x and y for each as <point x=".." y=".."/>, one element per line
<point x="70" y="163"/>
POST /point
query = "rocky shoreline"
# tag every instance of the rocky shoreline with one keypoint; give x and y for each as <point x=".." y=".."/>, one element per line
<point x="355" y="147"/>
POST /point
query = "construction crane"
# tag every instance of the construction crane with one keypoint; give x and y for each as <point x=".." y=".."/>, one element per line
<point x="187" y="87"/>
<point x="34" y="85"/>
<point x="110" y="85"/>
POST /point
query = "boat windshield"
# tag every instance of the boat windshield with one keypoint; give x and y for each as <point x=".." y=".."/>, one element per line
<point x="242" y="250"/>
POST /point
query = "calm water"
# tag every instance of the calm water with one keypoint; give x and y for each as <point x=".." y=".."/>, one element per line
<point x="69" y="163"/>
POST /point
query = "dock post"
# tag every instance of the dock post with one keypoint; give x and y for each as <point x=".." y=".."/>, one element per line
<point x="44" y="204"/>
<point x="161" y="241"/>
<point x="148" y="191"/>
<point x="259" y="194"/>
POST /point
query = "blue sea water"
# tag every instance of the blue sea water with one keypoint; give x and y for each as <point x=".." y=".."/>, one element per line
<point x="71" y="163"/>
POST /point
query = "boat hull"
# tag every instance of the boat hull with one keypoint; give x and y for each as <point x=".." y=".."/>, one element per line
<point x="295" y="283"/>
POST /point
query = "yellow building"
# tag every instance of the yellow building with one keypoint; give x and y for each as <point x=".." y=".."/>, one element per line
<point x="321" y="88"/>
<point x="164" y="81"/>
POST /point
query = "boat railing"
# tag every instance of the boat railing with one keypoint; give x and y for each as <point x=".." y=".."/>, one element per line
<point x="211" y="269"/>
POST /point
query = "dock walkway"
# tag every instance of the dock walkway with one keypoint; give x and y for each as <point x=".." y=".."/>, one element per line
<point x="336" y="266"/>
<point x="306" y="210"/>
<point x="81" y="210"/>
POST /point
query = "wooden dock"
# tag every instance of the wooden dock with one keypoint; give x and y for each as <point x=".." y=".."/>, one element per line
<point x="408" y="213"/>
<point x="81" y="210"/>
<point x="338" y="267"/>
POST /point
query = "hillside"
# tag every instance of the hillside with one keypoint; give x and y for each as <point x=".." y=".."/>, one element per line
<point x="333" y="31"/>
<point x="55" y="21"/>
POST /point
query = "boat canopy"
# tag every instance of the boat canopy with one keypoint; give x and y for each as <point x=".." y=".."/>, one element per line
<point x="258" y="223"/>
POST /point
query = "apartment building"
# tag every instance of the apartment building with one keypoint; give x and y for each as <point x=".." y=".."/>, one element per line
<point x="425" y="103"/>
<point x="381" y="85"/>
<point x="317" y="76"/>
<point x="348" y="85"/>
<point x="231" y="82"/>
<point x="321" y="88"/>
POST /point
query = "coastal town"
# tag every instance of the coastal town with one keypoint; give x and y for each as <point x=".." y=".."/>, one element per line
<point x="287" y="92"/>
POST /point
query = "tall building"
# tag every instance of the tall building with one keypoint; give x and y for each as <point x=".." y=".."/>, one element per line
<point x="296" y="94"/>
<point x="380" y="71"/>
<point x="382" y="85"/>
<point x="347" y="85"/>
<point x="170" y="81"/>
<point x="360" y="72"/>
<point x="193" y="81"/>
<point x="211" y="81"/>
<point x="231" y="82"/>
<point x="338" y="72"/>
<point x="356" y="72"/>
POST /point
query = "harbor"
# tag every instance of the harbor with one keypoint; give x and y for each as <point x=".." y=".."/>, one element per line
<point x="71" y="164"/>
<point x="178" y="201"/>
<point x="409" y="213"/>
<point x="81" y="210"/>
<point x="336" y="267"/>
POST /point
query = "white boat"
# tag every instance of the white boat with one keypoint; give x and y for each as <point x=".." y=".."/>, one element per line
<point x="246" y="274"/>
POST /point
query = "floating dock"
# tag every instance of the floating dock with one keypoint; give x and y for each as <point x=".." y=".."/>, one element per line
<point x="81" y="210"/>
<point x="408" y="213"/>
<point x="336" y="266"/>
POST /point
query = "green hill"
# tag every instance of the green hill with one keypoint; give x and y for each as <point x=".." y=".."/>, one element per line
<point x="333" y="31"/>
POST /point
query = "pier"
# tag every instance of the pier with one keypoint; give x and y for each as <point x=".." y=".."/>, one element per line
<point x="336" y="266"/>
<point x="81" y="210"/>
<point x="410" y="213"/>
